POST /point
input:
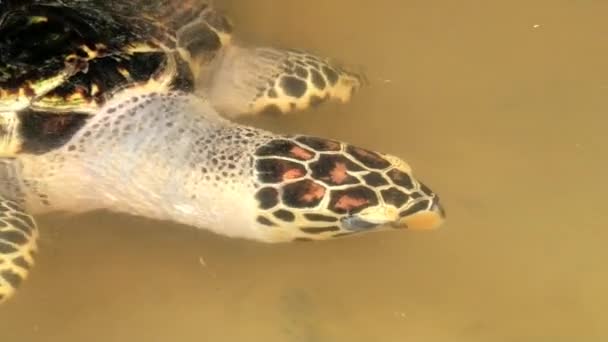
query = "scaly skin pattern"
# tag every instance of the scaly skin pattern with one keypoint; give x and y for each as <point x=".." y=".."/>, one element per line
<point x="253" y="80"/>
<point x="170" y="156"/>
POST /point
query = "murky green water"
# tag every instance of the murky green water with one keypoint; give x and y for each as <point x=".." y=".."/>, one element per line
<point x="499" y="105"/>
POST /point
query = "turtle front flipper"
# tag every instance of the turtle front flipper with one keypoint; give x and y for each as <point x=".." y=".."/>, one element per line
<point x="268" y="80"/>
<point x="18" y="235"/>
<point x="240" y="80"/>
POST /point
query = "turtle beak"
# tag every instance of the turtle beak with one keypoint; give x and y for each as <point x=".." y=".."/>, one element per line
<point x="423" y="218"/>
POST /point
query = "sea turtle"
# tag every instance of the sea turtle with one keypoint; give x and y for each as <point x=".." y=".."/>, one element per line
<point x="113" y="104"/>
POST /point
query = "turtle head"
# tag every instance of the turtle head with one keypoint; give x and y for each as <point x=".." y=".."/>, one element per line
<point x="314" y="189"/>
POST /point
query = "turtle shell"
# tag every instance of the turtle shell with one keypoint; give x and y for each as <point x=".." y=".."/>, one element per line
<point x="60" y="61"/>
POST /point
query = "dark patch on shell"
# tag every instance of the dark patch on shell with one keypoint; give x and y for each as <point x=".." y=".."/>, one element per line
<point x="43" y="132"/>
<point x="35" y="50"/>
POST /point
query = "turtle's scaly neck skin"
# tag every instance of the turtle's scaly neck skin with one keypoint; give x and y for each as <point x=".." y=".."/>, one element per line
<point x="160" y="156"/>
<point x="171" y="157"/>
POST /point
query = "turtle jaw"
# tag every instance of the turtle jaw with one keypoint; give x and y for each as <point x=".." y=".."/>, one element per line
<point x="425" y="219"/>
<point x="424" y="213"/>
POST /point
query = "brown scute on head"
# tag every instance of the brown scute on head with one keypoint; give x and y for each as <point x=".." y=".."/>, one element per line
<point x="303" y="194"/>
<point x="43" y="132"/>
<point x="401" y="178"/>
<point x="395" y="197"/>
<point x="333" y="170"/>
<point x="319" y="144"/>
<point x="278" y="170"/>
<point x="368" y="158"/>
<point x="352" y="200"/>
<point x="267" y="198"/>
<point x="422" y="205"/>
<point x="375" y="179"/>
<point x="284" y="148"/>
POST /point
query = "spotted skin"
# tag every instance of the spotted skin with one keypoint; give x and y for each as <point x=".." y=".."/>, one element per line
<point x="18" y="235"/>
<point x="323" y="188"/>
